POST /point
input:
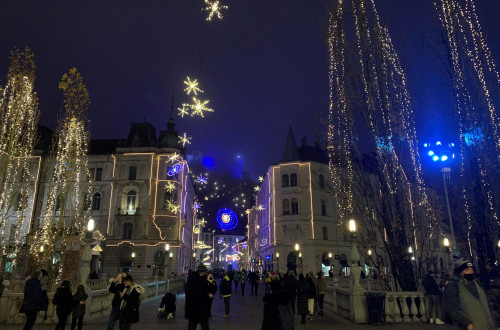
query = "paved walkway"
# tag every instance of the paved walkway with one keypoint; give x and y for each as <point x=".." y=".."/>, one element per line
<point x="246" y="314"/>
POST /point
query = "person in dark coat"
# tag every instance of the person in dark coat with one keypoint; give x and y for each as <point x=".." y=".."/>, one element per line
<point x="168" y="306"/>
<point x="290" y="284"/>
<point x="464" y="299"/>
<point x="116" y="287"/>
<point x="311" y="295"/>
<point x="433" y="296"/>
<point x="302" y="297"/>
<point x="273" y="319"/>
<point x="212" y="290"/>
<point x="78" y="307"/>
<point x="197" y="309"/>
<point x="131" y="301"/>
<point x="35" y="300"/>
<point x="225" y="292"/>
<point x="63" y="299"/>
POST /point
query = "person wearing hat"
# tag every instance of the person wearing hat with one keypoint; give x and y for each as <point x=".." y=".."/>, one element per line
<point x="465" y="302"/>
<point x="197" y="308"/>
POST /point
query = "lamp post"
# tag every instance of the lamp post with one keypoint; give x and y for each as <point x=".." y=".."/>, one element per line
<point x="194" y="260"/>
<point x="87" y="254"/>
<point x="330" y="255"/>
<point x="301" y="265"/>
<point x="297" y="249"/>
<point x="278" y="262"/>
<point x="165" y="267"/>
<point x="446" y="244"/>
<point x="355" y="269"/>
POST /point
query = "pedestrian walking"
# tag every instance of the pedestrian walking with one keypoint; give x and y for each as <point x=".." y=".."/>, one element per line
<point x="243" y="279"/>
<point x="212" y="290"/>
<point x="267" y="281"/>
<point x="63" y="300"/>
<point x="277" y="311"/>
<point x="465" y="302"/>
<point x="116" y="287"/>
<point x="433" y="297"/>
<point x="131" y="301"/>
<point x="236" y="280"/>
<point x="35" y="300"/>
<point x="302" y="298"/>
<point x="255" y="283"/>
<point x="225" y="292"/>
<point x="311" y="295"/>
<point x="197" y="308"/>
<point x="321" y="286"/>
<point x="290" y="284"/>
<point x="78" y="311"/>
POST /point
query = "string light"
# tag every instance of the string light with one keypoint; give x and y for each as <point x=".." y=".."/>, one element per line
<point x="170" y="187"/>
<point x="199" y="107"/>
<point x="214" y="8"/>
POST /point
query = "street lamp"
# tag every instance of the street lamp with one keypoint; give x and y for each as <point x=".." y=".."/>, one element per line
<point x="87" y="253"/>
<point x="330" y="255"/>
<point x="301" y="265"/>
<point x="297" y="247"/>
<point x="90" y="225"/>
<point x="446" y="244"/>
<point x="133" y="254"/>
<point x="278" y="261"/>
<point x="194" y="260"/>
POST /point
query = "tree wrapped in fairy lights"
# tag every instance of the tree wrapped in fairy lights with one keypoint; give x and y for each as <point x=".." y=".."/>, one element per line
<point x="19" y="115"/>
<point x="474" y="79"/>
<point x="370" y="109"/>
<point x="67" y="207"/>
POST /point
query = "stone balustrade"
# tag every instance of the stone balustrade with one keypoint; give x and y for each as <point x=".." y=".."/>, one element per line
<point x="98" y="303"/>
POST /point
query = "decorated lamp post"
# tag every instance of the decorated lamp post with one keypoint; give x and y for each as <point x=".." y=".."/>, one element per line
<point x="87" y="253"/>
<point x="277" y="261"/>
<point x="355" y="269"/>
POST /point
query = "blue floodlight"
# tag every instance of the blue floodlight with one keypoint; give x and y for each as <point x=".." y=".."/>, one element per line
<point x="430" y="153"/>
<point x="444" y="158"/>
<point x="435" y="158"/>
<point x="438" y="143"/>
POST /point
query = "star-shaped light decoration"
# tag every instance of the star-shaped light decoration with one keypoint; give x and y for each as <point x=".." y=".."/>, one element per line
<point x="201" y="179"/>
<point x="184" y="110"/>
<point x="172" y="207"/>
<point x="261" y="178"/>
<point x="184" y="140"/>
<point x="192" y="87"/>
<point x="247" y="211"/>
<point x="214" y="8"/>
<point x="172" y="158"/>
<point x="199" y="106"/>
<point x="196" y="206"/>
<point x="170" y="186"/>
<point x="260" y="207"/>
<point x="256" y="188"/>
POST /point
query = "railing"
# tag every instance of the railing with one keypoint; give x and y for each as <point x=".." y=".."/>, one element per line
<point x="98" y="302"/>
<point x="405" y="307"/>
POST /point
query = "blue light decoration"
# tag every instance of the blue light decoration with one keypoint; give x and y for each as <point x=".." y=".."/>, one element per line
<point x="227" y="219"/>
<point x="201" y="179"/>
<point x="220" y="240"/>
<point x="474" y="136"/>
<point x="268" y="257"/>
<point x="440" y="151"/>
<point x="175" y="169"/>
<point x="196" y="206"/>
<point x="385" y="144"/>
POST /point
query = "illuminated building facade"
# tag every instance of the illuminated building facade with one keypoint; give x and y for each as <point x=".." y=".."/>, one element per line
<point x="295" y="205"/>
<point x="142" y="202"/>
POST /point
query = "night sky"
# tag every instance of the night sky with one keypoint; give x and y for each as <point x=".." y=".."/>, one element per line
<point x="263" y="66"/>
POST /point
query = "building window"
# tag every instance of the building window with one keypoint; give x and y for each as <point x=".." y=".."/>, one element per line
<point x="322" y="181"/>
<point x="286" y="207"/>
<point x="323" y="208"/>
<point x="295" y="206"/>
<point x="293" y="180"/>
<point x="96" y="201"/>
<point x="284" y="181"/>
<point x="131" y="199"/>
<point x="325" y="233"/>
<point x="127" y="231"/>
<point x="98" y="174"/>
<point x="132" y="172"/>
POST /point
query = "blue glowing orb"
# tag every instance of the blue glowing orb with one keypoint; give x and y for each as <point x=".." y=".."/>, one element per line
<point x="175" y="169"/>
<point x="227" y="219"/>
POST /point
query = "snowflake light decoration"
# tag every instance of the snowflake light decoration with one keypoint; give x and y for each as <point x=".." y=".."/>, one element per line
<point x="256" y="188"/>
<point x="261" y="207"/>
<point x="170" y="186"/>
<point x="214" y="8"/>
<point x="201" y="179"/>
<point x="172" y="158"/>
<point x="172" y="207"/>
<point x="192" y="86"/>
<point x="199" y="106"/>
<point x="261" y="178"/>
<point x="247" y="212"/>
<point x="196" y="206"/>
<point x="184" y="140"/>
<point x="184" y="110"/>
